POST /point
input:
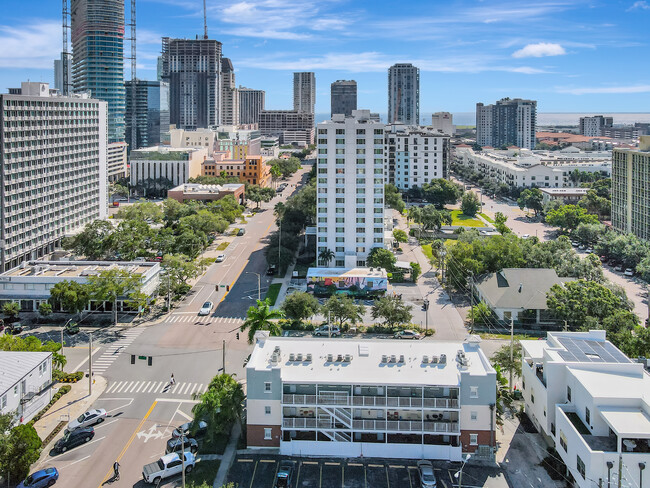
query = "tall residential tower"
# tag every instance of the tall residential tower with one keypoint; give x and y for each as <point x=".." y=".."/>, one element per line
<point x="404" y="94"/>
<point x="304" y="92"/>
<point x="507" y="123"/>
<point x="344" y="97"/>
<point x="229" y="94"/>
<point x="151" y="112"/>
<point x="251" y="103"/>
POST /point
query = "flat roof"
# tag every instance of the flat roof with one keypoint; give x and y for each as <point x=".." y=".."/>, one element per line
<point x="197" y="188"/>
<point x="76" y="269"/>
<point x="15" y="365"/>
<point x="564" y="191"/>
<point x="366" y="360"/>
<point x="626" y="421"/>
<point x="615" y="384"/>
<point x="347" y="272"/>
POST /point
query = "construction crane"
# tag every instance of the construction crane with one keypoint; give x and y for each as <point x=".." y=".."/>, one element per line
<point x="65" y="54"/>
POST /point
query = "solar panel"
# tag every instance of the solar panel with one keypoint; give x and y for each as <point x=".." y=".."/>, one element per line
<point x="587" y="350"/>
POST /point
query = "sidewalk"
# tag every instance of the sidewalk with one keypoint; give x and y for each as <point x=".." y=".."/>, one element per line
<point x="68" y="407"/>
<point x="228" y="456"/>
<point x="285" y="280"/>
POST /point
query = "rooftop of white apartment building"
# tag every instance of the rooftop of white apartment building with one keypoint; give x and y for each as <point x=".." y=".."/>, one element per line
<point x="76" y="269"/>
<point x="525" y="158"/>
<point x="402" y="130"/>
<point x="371" y="361"/>
<point x="360" y="116"/>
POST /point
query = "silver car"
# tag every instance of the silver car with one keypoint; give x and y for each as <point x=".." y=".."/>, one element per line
<point x="87" y="419"/>
<point x="427" y="476"/>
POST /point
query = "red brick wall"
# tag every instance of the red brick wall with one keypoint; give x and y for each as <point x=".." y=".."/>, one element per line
<point x="485" y="438"/>
<point x="255" y="436"/>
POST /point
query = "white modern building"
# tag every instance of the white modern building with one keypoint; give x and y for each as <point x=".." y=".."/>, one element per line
<point x="25" y="380"/>
<point x="415" y="155"/>
<point x="350" y="187"/>
<point x="304" y="92"/>
<point x="591" y="126"/>
<point x="52" y="167"/>
<point x="506" y="123"/>
<point x="569" y="196"/>
<point x="205" y="138"/>
<point x="251" y="103"/>
<point x="593" y="404"/>
<point x="404" y="94"/>
<point x="116" y="160"/>
<point x="443" y="122"/>
<point x="30" y="283"/>
<point x="370" y="398"/>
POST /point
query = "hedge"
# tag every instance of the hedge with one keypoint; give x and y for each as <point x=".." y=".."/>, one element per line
<point x="62" y="391"/>
<point x="62" y="377"/>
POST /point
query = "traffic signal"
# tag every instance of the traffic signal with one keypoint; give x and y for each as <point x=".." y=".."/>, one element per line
<point x="237" y="335"/>
<point x="132" y="358"/>
<point x="227" y="287"/>
<point x="216" y="288"/>
<point x="149" y="360"/>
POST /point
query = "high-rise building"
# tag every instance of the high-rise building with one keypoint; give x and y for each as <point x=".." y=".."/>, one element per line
<point x="343" y="97"/>
<point x="630" y="183"/>
<point x="350" y="187"/>
<point x="304" y="92"/>
<point x="251" y="103"/>
<point x="444" y="122"/>
<point x="98" y="56"/>
<point x="151" y="113"/>
<point x="192" y="68"/>
<point x="116" y="159"/>
<point x="415" y="155"/>
<point x="61" y="153"/>
<point x="507" y="123"/>
<point x="229" y="94"/>
<point x="590" y="126"/>
<point x="289" y="125"/>
<point x="404" y="94"/>
<point x="58" y="75"/>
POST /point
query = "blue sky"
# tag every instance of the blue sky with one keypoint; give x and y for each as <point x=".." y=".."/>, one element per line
<point x="570" y="55"/>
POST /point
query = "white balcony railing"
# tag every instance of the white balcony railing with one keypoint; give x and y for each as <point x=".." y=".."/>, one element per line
<point x="370" y="401"/>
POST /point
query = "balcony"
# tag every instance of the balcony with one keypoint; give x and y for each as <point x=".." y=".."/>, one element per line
<point x="371" y="401"/>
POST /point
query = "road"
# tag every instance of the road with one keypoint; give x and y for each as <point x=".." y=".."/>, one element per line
<point x="143" y="406"/>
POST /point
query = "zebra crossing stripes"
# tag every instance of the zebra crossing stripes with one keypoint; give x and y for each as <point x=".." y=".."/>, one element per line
<point x="156" y="387"/>
<point x="191" y="318"/>
<point x="114" y="349"/>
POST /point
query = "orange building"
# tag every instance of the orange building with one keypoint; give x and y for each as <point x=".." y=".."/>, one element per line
<point x="252" y="170"/>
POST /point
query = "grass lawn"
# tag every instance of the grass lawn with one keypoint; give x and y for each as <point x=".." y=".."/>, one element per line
<point x="203" y="474"/>
<point x="516" y="337"/>
<point x="222" y="246"/>
<point x="274" y="291"/>
<point x="428" y="252"/>
<point x="457" y="218"/>
<point x="489" y="219"/>
<point x="216" y="447"/>
<point x="302" y="269"/>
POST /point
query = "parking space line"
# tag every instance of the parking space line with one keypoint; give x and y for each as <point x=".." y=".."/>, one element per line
<point x="298" y="475"/>
<point x="310" y="462"/>
<point x="410" y="482"/>
<point x="395" y="466"/>
<point x="267" y="460"/>
<point x="245" y="460"/>
<point x="387" y="479"/>
<point x="253" y="477"/>
<point x="375" y="465"/>
<point x="332" y="464"/>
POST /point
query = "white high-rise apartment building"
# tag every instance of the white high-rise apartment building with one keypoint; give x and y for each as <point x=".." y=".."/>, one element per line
<point x="53" y="170"/>
<point x="350" y="187"/>
<point x="229" y="94"/>
<point x="443" y="121"/>
<point x="304" y="92"/>
<point x="415" y="155"/>
<point x="251" y="103"/>
<point x="509" y="122"/>
<point x="404" y="94"/>
<point x="591" y="126"/>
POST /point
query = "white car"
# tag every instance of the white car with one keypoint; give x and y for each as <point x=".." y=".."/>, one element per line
<point x="166" y="466"/>
<point x="221" y="257"/>
<point x="87" y="419"/>
<point x="427" y="476"/>
<point x="525" y="236"/>
<point x="206" y="308"/>
<point x="629" y="272"/>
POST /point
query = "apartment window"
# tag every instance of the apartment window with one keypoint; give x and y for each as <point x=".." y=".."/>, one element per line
<point x="473" y="439"/>
<point x="563" y="441"/>
<point x="267" y="387"/>
<point x="340" y="230"/>
<point x="340" y="132"/>
<point x="378" y="220"/>
<point x="378" y="240"/>
<point x="322" y="131"/>
<point x="339" y="262"/>
<point x="340" y="141"/>
<point x="267" y="434"/>
<point x="361" y="230"/>
<point x="532" y="395"/>
<point x="361" y="131"/>
<point x="16" y="390"/>
<point x="361" y="141"/>
<point x="267" y="410"/>
<point x="339" y="249"/>
<point x="340" y="239"/>
<point x="379" y="132"/>
<point x="587" y="416"/>
<point x="473" y="391"/>
<point x="361" y="220"/>
<point x="568" y="393"/>
<point x="340" y="220"/>
<point x="581" y="466"/>
<point x="473" y="415"/>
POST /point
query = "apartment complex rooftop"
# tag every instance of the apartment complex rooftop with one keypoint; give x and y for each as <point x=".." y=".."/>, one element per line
<point x="206" y="189"/>
<point x="15" y="365"/>
<point x="560" y="192"/>
<point x="75" y="269"/>
<point x="371" y="361"/>
<point x="359" y="116"/>
<point x="348" y="272"/>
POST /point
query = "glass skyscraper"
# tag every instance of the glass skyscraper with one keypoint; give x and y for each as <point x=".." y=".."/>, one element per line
<point x="98" y="56"/>
<point x="151" y="113"/>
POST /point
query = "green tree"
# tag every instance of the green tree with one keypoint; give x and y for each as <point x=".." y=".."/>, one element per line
<point x="595" y="204"/>
<point x="569" y="217"/>
<point x="589" y="233"/>
<point x="392" y="310"/>
<point x="531" y="198"/>
<point x="480" y="314"/>
<point x="381" y="258"/>
<point x="258" y="194"/>
<point x="276" y="173"/>
<point x="502" y="358"/>
<point x="142" y="210"/>
<point x="117" y="189"/>
<point x="326" y="256"/>
<point x="178" y="269"/>
<point x="300" y="305"/>
<point x="204" y="222"/>
<point x="190" y="243"/>
<point x="416" y="271"/>
<point x="400" y="236"/>
<point x="69" y="296"/>
<point x="111" y="284"/>
<point x="470" y="204"/>
<point x="342" y="309"/>
<point x="132" y="239"/>
<point x="441" y="192"/>
<point x="432" y="219"/>
<point x="220" y="406"/>
<point x="93" y="241"/>
<point x="174" y="210"/>
<point x="261" y="317"/>
<point x="500" y="223"/>
<point x="227" y="208"/>
<point x="393" y="198"/>
<point x="11" y="310"/>
<point x="21" y="450"/>
<point x="45" y="309"/>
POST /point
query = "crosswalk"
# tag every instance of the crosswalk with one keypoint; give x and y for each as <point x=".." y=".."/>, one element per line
<point x="115" y="350"/>
<point x="191" y="318"/>
<point x="156" y="387"/>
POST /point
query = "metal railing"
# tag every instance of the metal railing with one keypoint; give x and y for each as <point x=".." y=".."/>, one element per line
<point x="370" y="401"/>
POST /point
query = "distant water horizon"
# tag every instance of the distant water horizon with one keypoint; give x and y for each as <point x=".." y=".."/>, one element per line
<point x="543" y="118"/>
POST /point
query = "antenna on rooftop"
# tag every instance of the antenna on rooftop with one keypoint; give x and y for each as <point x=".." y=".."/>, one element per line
<point x="205" y="22"/>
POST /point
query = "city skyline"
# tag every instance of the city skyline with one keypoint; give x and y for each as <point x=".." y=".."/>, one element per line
<point x="468" y="51"/>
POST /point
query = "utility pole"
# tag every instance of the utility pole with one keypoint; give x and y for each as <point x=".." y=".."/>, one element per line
<point x="259" y="283"/>
<point x="426" y="316"/>
<point x="512" y="342"/>
<point x="183" y="459"/>
<point x="471" y="301"/>
<point x="279" y="244"/>
<point x="169" y="292"/>
<point x="90" y="363"/>
<point x="223" y="356"/>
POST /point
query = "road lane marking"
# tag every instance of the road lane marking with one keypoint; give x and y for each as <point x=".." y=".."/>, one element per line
<point x="176" y="386"/>
<point x="75" y="462"/>
<point x="95" y="350"/>
<point x="130" y="441"/>
<point x="140" y="387"/>
<point x="104" y="424"/>
<point x="132" y="388"/>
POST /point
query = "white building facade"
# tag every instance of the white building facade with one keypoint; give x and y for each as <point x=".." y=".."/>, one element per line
<point x="53" y="169"/>
<point x="444" y="122"/>
<point x="25" y="383"/>
<point x="591" y="126"/>
<point x="350" y="187"/>
<point x="304" y="92"/>
<point x="593" y="403"/>
<point x="370" y="398"/>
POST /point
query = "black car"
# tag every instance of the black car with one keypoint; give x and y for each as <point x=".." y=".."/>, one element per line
<point x="272" y="270"/>
<point x="175" y="445"/>
<point x="13" y="329"/>
<point x="187" y="427"/>
<point x="284" y="478"/>
<point x="74" y="439"/>
<point x="241" y="232"/>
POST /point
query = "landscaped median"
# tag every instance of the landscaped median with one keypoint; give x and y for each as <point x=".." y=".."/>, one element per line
<point x="460" y="219"/>
<point x="272" y="294"/>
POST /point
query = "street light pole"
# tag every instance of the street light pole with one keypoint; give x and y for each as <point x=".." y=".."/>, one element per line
<point x="259" y="283"/>
<point x="90" y="363"/>
<point x="426" y="316"/>
<point x="459" y="474"/>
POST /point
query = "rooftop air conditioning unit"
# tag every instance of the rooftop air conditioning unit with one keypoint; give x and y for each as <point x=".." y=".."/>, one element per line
<point x="443" y="358"/>
<point x="401" y="358"/>
<point x="330" y="358"/>
<point x="292" y="357"/>
<point x="299" y="357"/>
<point x="384" y="358"/>
<point x="347" y="358"/>
<point x="393" y="359"/>
<point x="339" y="358"/>
<point x="425" y="359"/>
<point x="308" y="359"/>
<point x="434" y="359"/>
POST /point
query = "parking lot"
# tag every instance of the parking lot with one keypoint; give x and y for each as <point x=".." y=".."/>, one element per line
<point x="253" y="471"/>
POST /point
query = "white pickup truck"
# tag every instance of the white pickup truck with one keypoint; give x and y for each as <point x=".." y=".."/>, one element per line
<point x="166" y="466"/>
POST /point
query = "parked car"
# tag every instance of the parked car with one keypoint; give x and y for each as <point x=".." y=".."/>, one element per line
<point x="72" y="328"/>
<point x="407" y="334"/>
<point x="575" y="243"/>
<point x="188" y="444"/>
<point x="526" y="236"/>
<point x="325" y="330"/>
<point x="206" y="308"/>
<point x="611" y="262"/>
<point x="427" y="476"/>
<point x="629" y="272"/>
<point x="187" y="427"/>
<point x="603" y="259"/>
<point x="618" y="267"/>
<point x="272" y="270"/>
<point x="241" y="232"/>
<point x="582" y="247"/>
<point x="166" y="466"/>
<point x="220" y="258"/>
<point x="74" y="439"/>
<point x="91" y="417"/>
<point x="589" y="250"/>
<point x="284" y="478"/>
<point x="13" y="329"/>
<point x="40" y="479"/>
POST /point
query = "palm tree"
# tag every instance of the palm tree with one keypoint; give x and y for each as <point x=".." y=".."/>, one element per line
<point x="279" y="210"/>
<point x="325" y="256"/>
<point x="220" y="406"/>
<point x="261" y="318"/>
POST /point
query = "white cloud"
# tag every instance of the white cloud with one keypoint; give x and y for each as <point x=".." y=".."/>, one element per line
<point x="34" y="45"/>
<point x="641" y="4"/>
<point x="539" y="50"/>
<point x="606" y="90"/>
